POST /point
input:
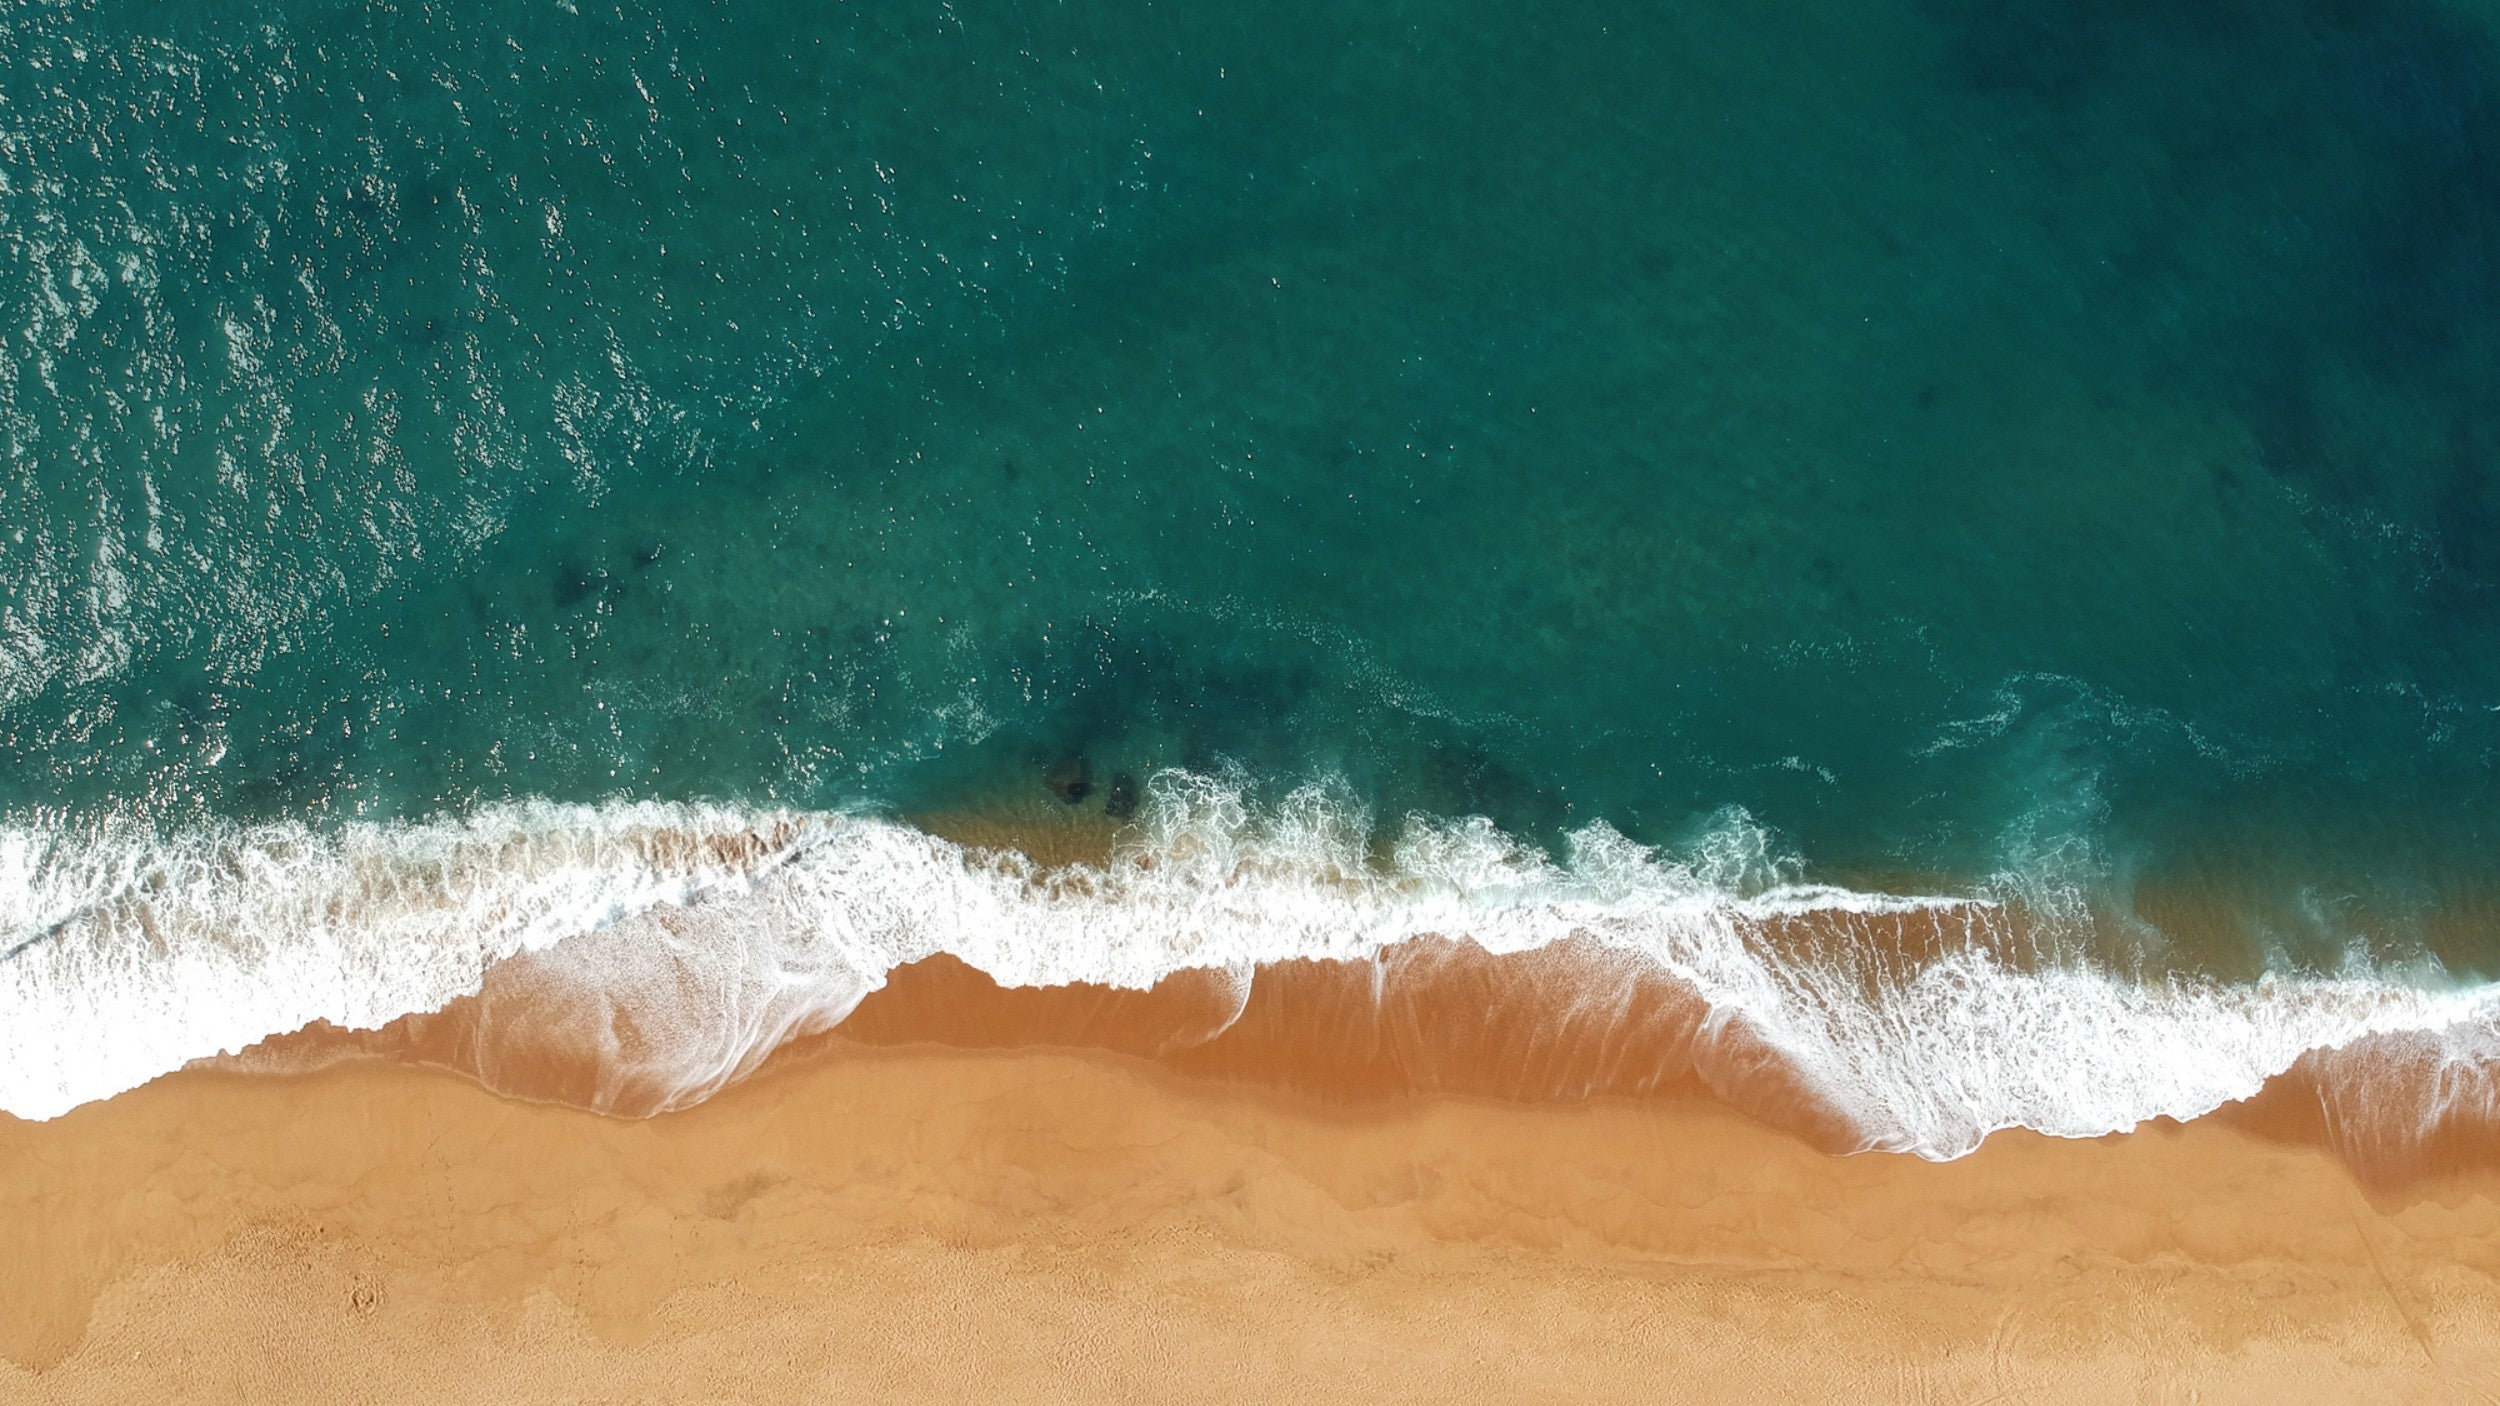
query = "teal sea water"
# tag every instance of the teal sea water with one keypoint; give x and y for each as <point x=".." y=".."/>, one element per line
<point x="2033" y="451"/>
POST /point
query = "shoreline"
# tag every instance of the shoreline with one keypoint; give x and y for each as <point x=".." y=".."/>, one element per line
<point x="926" y="1223"/>
<point x="638" y="958"/>
<point x="1556" y="1027"/>
<point x="1440" y="1173"/>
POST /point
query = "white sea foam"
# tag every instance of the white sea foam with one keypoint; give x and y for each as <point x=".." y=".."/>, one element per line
<point x="719" y="932"/>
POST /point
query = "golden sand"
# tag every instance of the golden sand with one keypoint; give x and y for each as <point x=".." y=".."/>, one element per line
<point x="916" y="1223"/>
<point x="1440" y="1177"/>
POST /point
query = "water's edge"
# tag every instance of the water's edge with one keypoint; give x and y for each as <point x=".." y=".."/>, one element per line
<point x="662" y="952"/>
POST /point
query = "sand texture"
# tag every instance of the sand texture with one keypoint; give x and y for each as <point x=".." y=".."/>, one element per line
<point x="916" y="1223"/>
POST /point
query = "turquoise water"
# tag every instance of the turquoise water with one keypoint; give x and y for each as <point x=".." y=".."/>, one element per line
<point x="1989" y="444"/>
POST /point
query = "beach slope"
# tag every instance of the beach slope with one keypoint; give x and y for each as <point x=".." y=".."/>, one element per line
<point x="924" y="1223"/>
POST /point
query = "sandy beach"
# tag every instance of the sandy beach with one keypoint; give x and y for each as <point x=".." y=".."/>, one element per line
<point x="916" y="1222"/>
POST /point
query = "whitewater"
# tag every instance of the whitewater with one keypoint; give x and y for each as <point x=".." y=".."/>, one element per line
<point x="718" y="933"/>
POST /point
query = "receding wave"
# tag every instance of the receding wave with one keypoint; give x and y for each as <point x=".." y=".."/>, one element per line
<point x="663" y="951"/>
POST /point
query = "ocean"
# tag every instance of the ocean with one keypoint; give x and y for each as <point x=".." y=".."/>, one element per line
<point x="1959" y="537"/>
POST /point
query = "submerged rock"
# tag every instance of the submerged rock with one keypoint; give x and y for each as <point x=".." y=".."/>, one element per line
<point x="1121" y="801"/>
<point x="1071" y="779"/>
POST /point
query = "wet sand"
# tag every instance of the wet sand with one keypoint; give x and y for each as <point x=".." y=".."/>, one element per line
<point x="914" y="1222"/>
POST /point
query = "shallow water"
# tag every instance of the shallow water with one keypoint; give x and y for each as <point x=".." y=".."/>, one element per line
<point x="2037" y="452"/>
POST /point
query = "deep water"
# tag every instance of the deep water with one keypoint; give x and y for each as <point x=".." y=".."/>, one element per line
<point x="2050" y="447"/>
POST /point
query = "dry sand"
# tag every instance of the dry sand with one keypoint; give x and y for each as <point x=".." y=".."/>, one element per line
<point x="921" y="1223"/>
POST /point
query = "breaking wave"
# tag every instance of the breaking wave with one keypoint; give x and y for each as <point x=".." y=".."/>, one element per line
<point x="671" y="948"/>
